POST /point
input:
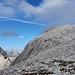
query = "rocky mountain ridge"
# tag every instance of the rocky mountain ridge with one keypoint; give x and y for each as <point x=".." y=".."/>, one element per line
<point x="52" y="53"/>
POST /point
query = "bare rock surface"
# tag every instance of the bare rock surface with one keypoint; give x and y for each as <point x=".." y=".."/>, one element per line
<point x="4" y="61"/>
<point x="52" y="53"/>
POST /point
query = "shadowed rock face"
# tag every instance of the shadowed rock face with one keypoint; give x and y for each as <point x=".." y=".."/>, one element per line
<point x="51" y="53"/>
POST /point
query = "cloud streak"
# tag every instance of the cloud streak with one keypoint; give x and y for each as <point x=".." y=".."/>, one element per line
<point x="22" y="21"/>
<point x="9" y="33"/>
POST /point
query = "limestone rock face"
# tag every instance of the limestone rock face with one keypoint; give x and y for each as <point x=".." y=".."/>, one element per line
<point x="51" y="53"/>
<point x="1" y="57"/>
<point x="4" y="61"/>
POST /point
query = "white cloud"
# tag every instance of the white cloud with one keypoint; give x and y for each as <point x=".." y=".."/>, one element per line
<point x="49" y="11"/>
<point x="21" y="36"/>
<point x="6" y="11"/>
<point x="13" y="3"/>
<point x="42" y="8"/>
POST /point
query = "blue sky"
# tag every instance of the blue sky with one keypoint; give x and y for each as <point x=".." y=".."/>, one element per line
<point x="22" y="20"/>
<point x="22" y="33"/>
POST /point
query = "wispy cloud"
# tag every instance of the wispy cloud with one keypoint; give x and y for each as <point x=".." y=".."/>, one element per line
<point x="21" y="21"/>
<point x="6" y="10"/>
<point x="21" y="36"/>
<point x="49" y="11"/>
<point x="9" y="33"/>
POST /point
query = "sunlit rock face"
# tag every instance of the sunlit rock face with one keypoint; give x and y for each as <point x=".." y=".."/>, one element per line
<point x="4" y="61"/>
<point x="52" y="53"/>
<point x="1" y="57"/>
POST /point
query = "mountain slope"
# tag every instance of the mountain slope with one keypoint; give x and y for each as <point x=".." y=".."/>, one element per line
<point x="51" y="53"/>
<point x="54" y="39"/>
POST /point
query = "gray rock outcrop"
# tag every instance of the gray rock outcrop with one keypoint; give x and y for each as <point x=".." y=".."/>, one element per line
<point x="52" y="53"/>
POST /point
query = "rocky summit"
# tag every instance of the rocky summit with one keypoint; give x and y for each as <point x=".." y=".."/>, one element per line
<point x="52" y="53"/>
